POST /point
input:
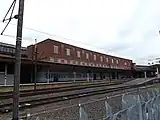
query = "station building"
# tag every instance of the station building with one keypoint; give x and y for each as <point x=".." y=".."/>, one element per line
<point x="82" y="64"/>
<point x="57" y="61"/>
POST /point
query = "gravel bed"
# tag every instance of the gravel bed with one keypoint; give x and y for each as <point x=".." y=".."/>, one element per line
<point x="56" y="94"/>
<point x="69" y="109"/>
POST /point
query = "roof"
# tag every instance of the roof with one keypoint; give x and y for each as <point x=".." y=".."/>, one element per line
<point x="10" y="45"/>
<point x="143" y="68"/>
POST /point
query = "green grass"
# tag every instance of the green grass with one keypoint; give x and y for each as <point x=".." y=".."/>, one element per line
<point x="6" y="89"/>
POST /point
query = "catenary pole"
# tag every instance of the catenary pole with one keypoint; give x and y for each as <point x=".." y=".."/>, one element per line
<point x="18" y="61"/>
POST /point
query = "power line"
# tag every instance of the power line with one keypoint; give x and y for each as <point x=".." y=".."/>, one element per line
<point x="101" y="50"/>
<point x="57" y="36"/>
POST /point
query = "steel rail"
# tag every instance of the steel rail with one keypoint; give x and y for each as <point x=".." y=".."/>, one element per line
<point x="32" y="103"/>
<point x="7" y="95"/>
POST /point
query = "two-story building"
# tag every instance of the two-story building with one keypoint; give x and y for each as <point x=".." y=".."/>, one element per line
<point x="75" y="63"/>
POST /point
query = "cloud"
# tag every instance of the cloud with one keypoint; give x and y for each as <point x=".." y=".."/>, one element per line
<point x="127" y="28"/>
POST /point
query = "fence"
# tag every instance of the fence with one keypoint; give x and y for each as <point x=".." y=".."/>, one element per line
<point x="133" y="107"/>
<point x="136" y="107"/>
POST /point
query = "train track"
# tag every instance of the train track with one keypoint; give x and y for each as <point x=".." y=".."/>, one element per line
<point x="4" y="108"/>
<point x="7" y="95"/>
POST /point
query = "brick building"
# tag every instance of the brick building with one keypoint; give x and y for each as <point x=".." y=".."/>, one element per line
<point x="57" y="61"/>
<point x="92" y="63"/>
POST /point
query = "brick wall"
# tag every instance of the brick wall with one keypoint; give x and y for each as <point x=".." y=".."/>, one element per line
<point x="46" y="50"/>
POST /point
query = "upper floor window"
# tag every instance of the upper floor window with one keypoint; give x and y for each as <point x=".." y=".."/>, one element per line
<point x="94" y="57"/>
<point x="112" y="61"/>
<point x="117" y="61"/>
<point x="101" y="59"/>
<point x="78" y="54"/>
<point x="55" y="49"/>
<point x="87" y="56"/>
<point x="68" y="52"/>
<point x="125" y="63"/>
<point x="106" y="59"/>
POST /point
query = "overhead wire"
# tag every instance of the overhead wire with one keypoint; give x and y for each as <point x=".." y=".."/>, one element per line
<point x="99" y="49"/>
<point x="57" y="36"/>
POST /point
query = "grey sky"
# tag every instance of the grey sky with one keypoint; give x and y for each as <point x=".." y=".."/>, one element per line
<point x="126" y="28"/>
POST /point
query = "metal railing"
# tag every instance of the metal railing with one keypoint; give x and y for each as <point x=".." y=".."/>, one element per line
<point x="136" y="108"/>
<point x="133" y="107"/>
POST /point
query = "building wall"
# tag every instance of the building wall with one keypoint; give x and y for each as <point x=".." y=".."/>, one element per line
<point x="67" y="76"/>
<point x="46" y="51"/>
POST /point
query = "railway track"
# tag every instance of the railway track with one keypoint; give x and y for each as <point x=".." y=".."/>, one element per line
<point x="4" y="108"/>
<point x="7" y="95"/>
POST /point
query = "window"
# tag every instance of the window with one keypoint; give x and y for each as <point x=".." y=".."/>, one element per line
<point x="68" y="52"/>
<point x="87" y="56"/>
<point x="125" y="63"/>
<point x="94" y="57"/>
<point x="107" y="60"/>
<point x="117" y="61"/>
<point x="78" y="54"/>
<point x="7" y="50"/>
<point x="14" y="50"/>
<point x="1" y="48"/>
<point x="11" y="50"/>
<point x="101" y="59"/>
<point x="112" y="61"/>
<point x="4" y="49"/>
<point x="55" y="49"/>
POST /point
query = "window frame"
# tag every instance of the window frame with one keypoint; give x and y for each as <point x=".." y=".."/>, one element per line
<point x="56" y="49"/>
<point x="68" y="51"/>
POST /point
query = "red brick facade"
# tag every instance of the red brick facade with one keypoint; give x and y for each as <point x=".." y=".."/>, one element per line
<point x="55" y="51"/>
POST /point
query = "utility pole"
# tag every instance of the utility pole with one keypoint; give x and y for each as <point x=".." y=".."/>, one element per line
<point x="109" y="72"/>
<point x="35" y="64"/>
<point x="18" y="61"/>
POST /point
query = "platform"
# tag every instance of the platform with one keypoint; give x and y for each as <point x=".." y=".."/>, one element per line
<point x="141" y="81"/>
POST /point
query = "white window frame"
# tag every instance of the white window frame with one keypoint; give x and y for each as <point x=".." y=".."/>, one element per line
<point x="112" y="60"/>
<point x="78" y="54"/>
<point x="56" y="49"/>
<point x="101" y="59"/>
<point x="117" y="61"/>
<point x="68" y="51"/>
<point x="107" y="60"/>
<point x="87" y="56"/>
<point x="94" y="57"/>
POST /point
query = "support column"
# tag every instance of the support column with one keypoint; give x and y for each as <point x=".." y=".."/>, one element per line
<point x="92" y="77"/>
<point x="74" y="76"/>
<point x="48" y="76"/>
<point x="145" y="74"/>
<point x="157" y="72"/>
<point x="88" y="77"/>
<point x="5" y="75"/>
<point x="117" y="76"/>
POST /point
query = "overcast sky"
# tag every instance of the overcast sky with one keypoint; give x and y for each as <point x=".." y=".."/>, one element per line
<point x="126" y="28"/>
